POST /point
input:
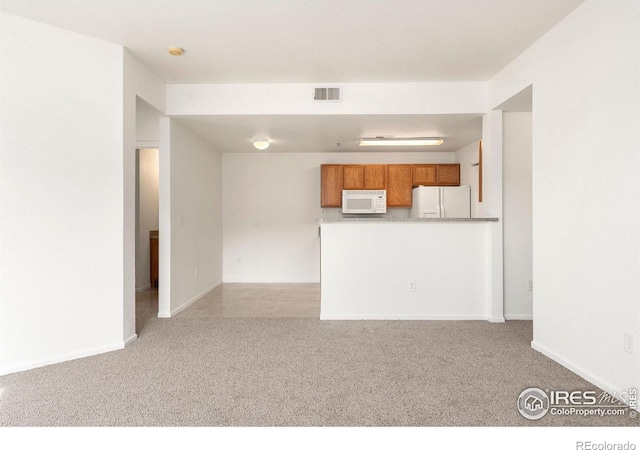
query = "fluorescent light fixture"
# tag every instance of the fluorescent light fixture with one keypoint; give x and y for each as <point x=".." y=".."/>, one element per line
<point x="393" y="142"/>
<point x="261" y="145"/>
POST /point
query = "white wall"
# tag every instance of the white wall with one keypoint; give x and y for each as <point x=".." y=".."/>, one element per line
<point x="468" y="156"/>
<point x="147" y="124"/>
<point x="517" y="216"/>
<point x="586" y="188"/>
<point x="147" y="210"/>
<point x="61" y="195"/>
<point x="271" y="207"/>
<point x="190" y="218"/>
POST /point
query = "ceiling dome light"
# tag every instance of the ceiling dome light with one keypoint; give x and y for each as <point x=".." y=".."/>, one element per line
<point x="176" y="51"/>
<point x="261" y="145"/>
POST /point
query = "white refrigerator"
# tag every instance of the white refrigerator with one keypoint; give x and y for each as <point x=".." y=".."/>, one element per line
<point x="441" y="202"/>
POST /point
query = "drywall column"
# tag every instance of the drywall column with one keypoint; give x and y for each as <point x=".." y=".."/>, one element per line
<point x="518" y="253"/>
<point x="492" y="207"/>
<point x="139" y="81"/>
<point x="164" y="219"/>
<point x="129" y="210"/>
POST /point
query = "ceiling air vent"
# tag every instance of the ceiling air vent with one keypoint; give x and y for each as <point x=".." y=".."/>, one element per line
<point x="327" y="94"/>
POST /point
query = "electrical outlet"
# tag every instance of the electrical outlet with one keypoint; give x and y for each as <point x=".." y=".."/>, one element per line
<point x="411" y="286"/>
<point x="180" y="220"/>
<point x="530" y="285"/>
<point x="628" y="343"/>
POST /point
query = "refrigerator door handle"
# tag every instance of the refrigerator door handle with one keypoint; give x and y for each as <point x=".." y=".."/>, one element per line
<point x="441" y="205"/>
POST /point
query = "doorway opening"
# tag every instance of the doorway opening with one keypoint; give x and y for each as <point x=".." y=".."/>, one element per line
<point x="147" y="184"/>
<point x="147" y="230"/>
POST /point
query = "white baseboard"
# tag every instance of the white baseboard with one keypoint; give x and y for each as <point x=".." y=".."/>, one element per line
<point x="580" y="371"/>
<point x="518" y="316"/>
<point x="61" y="358"/>
<point x="181" y="308"/>
<point x="143" y="288"/>
<point x="279" y="281"/>
<point x="401" y="317"/>
<point x="130" y="339"/>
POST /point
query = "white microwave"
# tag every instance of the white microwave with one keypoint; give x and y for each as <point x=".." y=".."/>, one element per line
<point x="364" y="202"/>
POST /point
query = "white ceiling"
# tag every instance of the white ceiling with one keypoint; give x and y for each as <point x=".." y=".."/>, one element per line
<point x="310" y="41"/>
<point x="322" y="133"/>
<point x="314" y="41"/>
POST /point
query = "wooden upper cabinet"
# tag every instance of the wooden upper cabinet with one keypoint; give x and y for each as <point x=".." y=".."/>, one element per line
<point x="370" y="176"/>
<point x="448" y="175"/>
<point x="352" y="177"/>
<point x="330" y="185"/>
<point x="399" y="180"/>
<point x="375" y="176"/>
<point x="436" y="174"/>
<point x="425" y="175"/>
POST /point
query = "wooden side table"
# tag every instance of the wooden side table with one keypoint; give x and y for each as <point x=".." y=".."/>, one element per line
<point x="153" y="245"/>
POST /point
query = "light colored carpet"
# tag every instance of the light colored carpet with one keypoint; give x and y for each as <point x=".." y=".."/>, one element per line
<point x="296" y="372"/>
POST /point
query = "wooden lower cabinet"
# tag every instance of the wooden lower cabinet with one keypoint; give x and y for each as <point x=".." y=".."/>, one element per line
<point x="399" y="184"/>
<point x="330" y="185"/>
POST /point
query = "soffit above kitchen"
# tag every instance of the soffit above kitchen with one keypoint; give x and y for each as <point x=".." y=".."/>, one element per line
<point x="315" y="41"/>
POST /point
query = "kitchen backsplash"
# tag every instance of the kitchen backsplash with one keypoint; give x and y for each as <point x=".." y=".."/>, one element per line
<point x="400" y="213"/>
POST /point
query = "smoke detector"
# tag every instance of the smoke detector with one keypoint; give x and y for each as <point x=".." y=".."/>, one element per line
<point x="176" y="51"/>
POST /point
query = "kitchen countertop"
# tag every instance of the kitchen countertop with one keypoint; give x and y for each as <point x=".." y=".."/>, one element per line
<point x="399" y="219"/>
